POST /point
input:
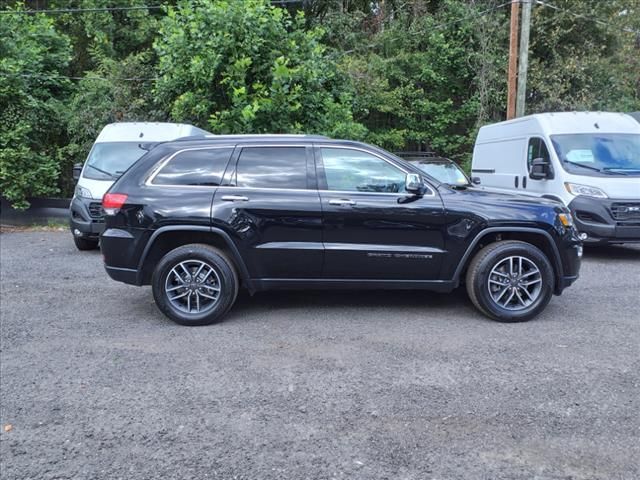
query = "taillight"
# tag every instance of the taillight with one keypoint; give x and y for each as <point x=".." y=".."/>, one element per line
<point x="113" y="202"/>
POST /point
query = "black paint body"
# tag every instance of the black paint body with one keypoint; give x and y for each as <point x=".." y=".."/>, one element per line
<point x="282" y="238"/>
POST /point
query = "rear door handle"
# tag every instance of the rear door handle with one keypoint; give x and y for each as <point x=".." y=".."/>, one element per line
<point x="341" y="201"/>
<point x="234" y="198"/>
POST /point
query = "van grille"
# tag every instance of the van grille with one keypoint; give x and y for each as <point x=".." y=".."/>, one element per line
<point x="625" y="211"/>
<point x="95" y="210"/>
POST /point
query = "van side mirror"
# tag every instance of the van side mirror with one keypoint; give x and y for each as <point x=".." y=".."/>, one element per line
<point x="413" y="184"/>
<point x="476" y="180"/>
<point x="540" y="169"/>
<point x="77" y="170"/>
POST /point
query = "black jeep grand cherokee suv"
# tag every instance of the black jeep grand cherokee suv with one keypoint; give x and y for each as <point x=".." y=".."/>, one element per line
<point x="198" y="218"/>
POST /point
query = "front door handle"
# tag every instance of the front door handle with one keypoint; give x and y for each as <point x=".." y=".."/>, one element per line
<point x="341" y="201"/>
<point x="234" y="198"/>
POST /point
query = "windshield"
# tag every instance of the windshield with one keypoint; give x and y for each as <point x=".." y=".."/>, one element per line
<point x="444" y="172"/>
<point x="109" y="160"/>
<point x="594" y="154"/>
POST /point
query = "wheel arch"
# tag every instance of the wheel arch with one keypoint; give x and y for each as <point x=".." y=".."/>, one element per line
<point x="165" y="239"/>
<point x="535" y="236"/>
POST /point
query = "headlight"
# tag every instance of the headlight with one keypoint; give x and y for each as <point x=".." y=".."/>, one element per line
<point x="576" y="189"/>
<point x="82" y="192"/>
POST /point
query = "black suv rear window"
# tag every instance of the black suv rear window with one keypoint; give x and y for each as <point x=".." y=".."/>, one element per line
<point x="195" y="168"/>
<point x="272" y="167"/>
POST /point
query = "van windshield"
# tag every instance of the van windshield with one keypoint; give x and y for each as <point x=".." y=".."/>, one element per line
<point x="444" y="172"/>
<point x="599" y="154"/>
<point x="109" y="160"/>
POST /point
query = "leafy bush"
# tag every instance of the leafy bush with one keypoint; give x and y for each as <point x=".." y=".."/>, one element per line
<point x="249" y="67"/>
<point x="33" y="55"/>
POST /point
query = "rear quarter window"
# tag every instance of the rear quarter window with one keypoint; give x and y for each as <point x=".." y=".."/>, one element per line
<point x="203" y="167"/>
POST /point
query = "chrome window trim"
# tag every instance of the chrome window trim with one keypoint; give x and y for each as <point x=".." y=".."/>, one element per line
<point x="348" y="147"/>
<point x="233" y="187"/>
<point x="316" y="190"/>
<point x="159" y="166"/>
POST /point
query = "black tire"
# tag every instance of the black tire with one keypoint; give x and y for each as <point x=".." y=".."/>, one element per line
<point x="227" y="281"/>
<point x="480" y="288"/>
<point x="85" y="243"/>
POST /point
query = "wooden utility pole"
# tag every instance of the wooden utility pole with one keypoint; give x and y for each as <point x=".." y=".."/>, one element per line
<point x="523" y="60"/>
<point x="513" y="60"/>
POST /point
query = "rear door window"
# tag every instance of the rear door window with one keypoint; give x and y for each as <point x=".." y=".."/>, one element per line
<point x="193" y="168"/>
<point x="272" y="167"/>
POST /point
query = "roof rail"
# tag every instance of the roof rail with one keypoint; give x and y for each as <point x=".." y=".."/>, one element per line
<point x="212" y="136"/>
<point x="416" y="154"/>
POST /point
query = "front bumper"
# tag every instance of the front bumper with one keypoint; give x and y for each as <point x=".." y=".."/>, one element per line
<point x="571" y="260"/>
<point x="607" y="220"/>
<point x="86" y="218"/>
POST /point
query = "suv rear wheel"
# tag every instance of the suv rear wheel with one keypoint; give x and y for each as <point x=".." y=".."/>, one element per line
<point x="510" y="281"/>
<point x="195" y="284"/>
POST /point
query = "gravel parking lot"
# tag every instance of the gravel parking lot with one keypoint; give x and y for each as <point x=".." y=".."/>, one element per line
<point x="97" y="384"/>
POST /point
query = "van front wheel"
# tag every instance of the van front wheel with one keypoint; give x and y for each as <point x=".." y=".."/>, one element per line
<point x="510" y="281"/>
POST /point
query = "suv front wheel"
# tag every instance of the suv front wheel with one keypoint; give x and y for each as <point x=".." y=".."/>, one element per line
<point x="510" y="281"/>
<point x="195" y="284"/>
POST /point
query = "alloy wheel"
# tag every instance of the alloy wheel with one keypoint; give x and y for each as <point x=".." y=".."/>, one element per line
<point x="193" y="286"/>
<point x="515" y="283"/>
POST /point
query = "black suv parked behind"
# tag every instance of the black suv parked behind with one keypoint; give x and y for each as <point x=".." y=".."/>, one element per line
<point x="199" y="218"/>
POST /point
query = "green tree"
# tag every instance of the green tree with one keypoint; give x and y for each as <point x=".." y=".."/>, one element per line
<point x="414" y="73"/>
<point x="585" y="56"/>
<point x="112" y="55"/>
<point x="33" y="57"/>
<point x="236" y="67"/>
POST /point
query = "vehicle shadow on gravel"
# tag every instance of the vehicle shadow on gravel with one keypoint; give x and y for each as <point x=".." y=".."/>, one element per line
<point x="393" y="300"/>
<point x="613" y="252"/>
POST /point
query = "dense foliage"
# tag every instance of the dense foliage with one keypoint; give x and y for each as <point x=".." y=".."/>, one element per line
<point x="239" y="67"/>
<point x="411" y="74"/>
<point x="33" y="56"/>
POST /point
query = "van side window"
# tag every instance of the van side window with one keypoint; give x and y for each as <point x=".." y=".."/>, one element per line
<point x="272" y="167"/>
<point x="536" y="149"/>
<point x="203" y="168"/>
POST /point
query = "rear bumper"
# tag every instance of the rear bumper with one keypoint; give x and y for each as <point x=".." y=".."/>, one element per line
<point x="595" y="217"/>
<point x="81" y="220"/>
<point x="121" y="251"/>
<point x="124" y="275"/>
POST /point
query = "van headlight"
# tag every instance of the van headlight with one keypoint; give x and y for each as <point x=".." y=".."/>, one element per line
<point x="577" y="189"/>
<point x="82" y="192"/>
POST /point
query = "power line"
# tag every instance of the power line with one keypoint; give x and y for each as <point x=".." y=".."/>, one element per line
<point x="81" y="10"/>
<point x="112" y="9"/>
<point x="477" y="15"/>
<point x="584" y="17"/>
<point x="66" y="77"/>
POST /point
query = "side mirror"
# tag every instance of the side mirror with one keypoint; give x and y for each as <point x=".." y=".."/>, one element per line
<point x="540" y="169"/>
<point x="476" y="180"/>
<point x="77" y="170"/>
<point x="413" y="184"/>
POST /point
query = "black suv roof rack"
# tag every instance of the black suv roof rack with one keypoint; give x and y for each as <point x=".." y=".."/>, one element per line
<point x="212" y="136"/>
<point x="416" y="154"/>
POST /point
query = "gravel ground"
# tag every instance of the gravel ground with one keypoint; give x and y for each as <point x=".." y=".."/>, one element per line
<point x="97" y="384"/>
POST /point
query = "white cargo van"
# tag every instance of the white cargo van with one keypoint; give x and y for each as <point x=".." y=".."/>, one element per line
<point x="589" y="161"/>
<point x="117" y="147"/>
